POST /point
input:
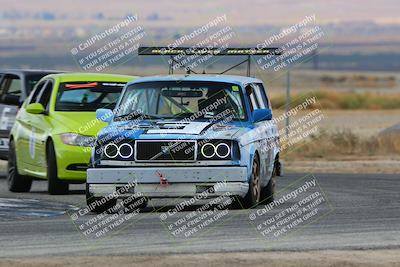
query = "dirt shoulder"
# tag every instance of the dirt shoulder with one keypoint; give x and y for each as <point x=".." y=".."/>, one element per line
<point x="345" y="165"/>
<point x="314" y="258"/>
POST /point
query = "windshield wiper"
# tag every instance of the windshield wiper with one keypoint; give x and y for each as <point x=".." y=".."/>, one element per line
<point x="184" y="115"/>
<point x="134" y="115"/>
<point x="148" y="116"/>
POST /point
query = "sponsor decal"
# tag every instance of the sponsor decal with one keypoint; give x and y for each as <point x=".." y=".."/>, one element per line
<point x="32" y="141"/>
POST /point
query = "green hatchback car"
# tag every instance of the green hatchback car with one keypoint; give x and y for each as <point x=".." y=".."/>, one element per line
<point x="56" y="128"/>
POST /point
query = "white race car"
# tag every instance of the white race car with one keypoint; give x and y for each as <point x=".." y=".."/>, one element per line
<point x="179" y="135"/>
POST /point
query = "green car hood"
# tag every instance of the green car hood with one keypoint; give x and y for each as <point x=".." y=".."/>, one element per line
<point x="84" y="123"/>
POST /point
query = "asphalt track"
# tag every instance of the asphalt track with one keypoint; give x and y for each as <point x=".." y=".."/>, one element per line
<point x="358" y="212"/>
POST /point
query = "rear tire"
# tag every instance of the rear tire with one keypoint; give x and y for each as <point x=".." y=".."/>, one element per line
<point x="97" y="208"/>
<point x="15" y="181"/>
<point x="55" y="186"/>
<point x="267" y="193"/>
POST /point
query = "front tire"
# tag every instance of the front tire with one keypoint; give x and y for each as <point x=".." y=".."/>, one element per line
<point x="16" y="182"/>
<point x="267" y="193"/>
<point x="253" y="196"/>
<point x="135" y="203"/>
<point x="94" y="202"/>
<point x="55" y="186"/>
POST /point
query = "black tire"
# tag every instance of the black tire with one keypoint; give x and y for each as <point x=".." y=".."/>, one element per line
<point x="96" y="208"/>
<point x="267" y="193"/>
<point x="15" y="181"/>
<point x="55" y="186"/>
<point x="253" y="196"/>
<point x="135" y="203"/>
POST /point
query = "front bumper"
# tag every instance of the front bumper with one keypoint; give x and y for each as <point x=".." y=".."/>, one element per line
<point x="181" y="181"/>
<point x="72" y="161"/>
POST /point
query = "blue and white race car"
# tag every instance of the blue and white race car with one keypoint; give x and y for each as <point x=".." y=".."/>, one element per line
<point x="176" y="136"/>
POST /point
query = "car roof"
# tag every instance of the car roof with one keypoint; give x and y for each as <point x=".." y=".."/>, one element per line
<point x="28" y="71"/>
<point x="240" y="80"/>
<point x="84" y="77"/>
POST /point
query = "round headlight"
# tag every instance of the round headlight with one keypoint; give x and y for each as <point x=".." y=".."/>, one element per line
<point x="111" y="150"/>
<point x="208" y="150"/>
<point x="125" y="150"/>
<point x="222" y="150"/>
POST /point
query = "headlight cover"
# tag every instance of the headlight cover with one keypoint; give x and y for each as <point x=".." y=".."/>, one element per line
<point x="216" y="150"/>
<point x="74" y="139"/>
<point x="123" y="150"/>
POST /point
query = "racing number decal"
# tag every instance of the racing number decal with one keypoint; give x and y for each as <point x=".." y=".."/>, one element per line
<point x="32" y="141"/>
<point x="4" y="118"/>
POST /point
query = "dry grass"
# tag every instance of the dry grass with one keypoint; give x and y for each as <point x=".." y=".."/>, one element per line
<point x="342" y="100"/>
<point x="360" y="80"/>
<point x="328" y="258"/>
<point x="345" y="143"/>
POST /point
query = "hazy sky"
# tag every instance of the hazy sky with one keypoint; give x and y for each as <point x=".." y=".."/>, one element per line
<point x="192" y="12"/>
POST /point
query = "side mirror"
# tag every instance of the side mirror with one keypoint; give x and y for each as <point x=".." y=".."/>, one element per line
<point x="11" y="100"/>
<point x="104" y="114"/>
<point x="35" y="108"/>
<point x="262" y="114"/>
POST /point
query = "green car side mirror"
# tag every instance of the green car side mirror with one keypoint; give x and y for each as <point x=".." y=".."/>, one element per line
<point x="35" y="108"/>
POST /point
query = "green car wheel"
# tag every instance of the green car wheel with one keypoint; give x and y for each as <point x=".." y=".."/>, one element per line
<point x="16" y="182"/>
<point x="55" y="186"/>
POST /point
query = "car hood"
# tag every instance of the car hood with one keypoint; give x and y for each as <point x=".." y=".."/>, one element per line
<point x="84" y="123"/>
<point x="175" y="130"/>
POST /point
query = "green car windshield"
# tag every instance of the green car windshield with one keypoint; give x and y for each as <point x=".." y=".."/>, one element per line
<point x="182" y="99"/>
<point x="87" y="96"/>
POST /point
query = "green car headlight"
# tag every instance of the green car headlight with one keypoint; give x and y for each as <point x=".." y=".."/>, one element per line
<point x="74" y="139"/>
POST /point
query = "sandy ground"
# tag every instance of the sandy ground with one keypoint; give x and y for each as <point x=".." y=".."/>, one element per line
<point x="351" y="165"/>
<point x="299" y="259"/>
<point x="364" y="123"/>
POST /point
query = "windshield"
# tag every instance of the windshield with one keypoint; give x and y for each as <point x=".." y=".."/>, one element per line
<point x="182" y="99"/>
<point x="87" y="96"/>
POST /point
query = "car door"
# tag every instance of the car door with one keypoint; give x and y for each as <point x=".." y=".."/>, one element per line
<point x="43" y="125"/>
<point x="40" y="127"/>
<point x="266" y="131"/>
<point x="10" y="93"/>
<point x="29" y="130"/>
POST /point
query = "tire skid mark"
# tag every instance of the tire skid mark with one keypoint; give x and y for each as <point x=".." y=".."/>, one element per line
<point x="19" y="208"/>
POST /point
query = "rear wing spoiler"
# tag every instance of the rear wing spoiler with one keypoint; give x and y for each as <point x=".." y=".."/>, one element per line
<point x="189" y="51"/>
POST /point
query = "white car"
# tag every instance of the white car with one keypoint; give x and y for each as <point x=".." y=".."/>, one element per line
<point x="178" y="135"/>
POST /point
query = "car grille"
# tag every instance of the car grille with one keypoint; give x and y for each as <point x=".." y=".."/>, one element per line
<point x="173" y="150"/>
